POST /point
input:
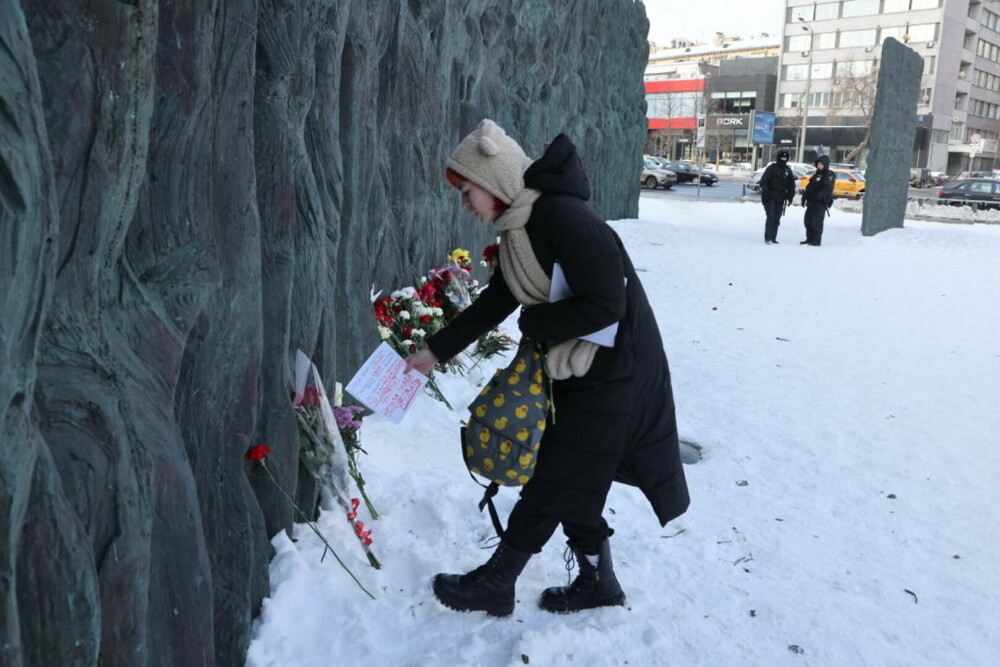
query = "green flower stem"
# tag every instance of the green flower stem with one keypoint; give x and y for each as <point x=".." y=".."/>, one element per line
<point x="314" y="529"/>
<point x="436" y="392"/>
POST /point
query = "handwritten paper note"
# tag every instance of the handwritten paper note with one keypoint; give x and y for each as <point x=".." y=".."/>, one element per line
<point x="381" y="385"/>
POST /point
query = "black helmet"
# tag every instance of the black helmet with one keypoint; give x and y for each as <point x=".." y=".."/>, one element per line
<point x="783" y="154"/>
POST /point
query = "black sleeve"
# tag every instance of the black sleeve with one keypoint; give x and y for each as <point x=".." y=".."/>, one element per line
<point x="591" y="261"/>
<point x="789" y="186"/>
<point x="765" y="183"/>
<point x="826" y="194"/>
<point x="494" y="304"/>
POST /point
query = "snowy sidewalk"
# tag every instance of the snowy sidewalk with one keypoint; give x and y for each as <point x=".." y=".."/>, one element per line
<point x="844" y="511"/>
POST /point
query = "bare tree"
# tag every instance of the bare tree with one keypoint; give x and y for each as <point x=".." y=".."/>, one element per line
<point x="853" y="94"/>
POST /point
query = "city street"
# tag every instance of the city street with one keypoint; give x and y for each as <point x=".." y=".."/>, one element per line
<point x="732" y="189"/>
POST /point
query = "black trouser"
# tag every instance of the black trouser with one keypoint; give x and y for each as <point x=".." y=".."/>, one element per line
<point x="528" y="529"/>
<point x="773" y="208"/>
<point x="815" y="214"/>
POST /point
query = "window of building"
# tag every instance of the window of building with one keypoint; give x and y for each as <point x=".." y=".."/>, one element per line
<point x="991" y="20"/>
<point x="850" y="99"/>
<point x="827" y="10"/>
<point x="791" y="100"/>
<point x="734" y="101"/>
<point x="925" y="4"/>
<point x="801" y="72"/>
<point x="819" y="99"/>
<point x="890" y="6"/>
<point x="860" y="7"/>
<point x="855" y="68"/>
<point x="983" y="109"/>
<point x="858" y="37"/>
<point x="815" y="12"/>
<point x="958" y="131"/>
<point x="825" y="40"/>
<point x="988" y="50"/>
<point x="925" y="96"/>
<point x="803" y="13"/>
<point x="798" y="43"/>
<point x="929" y="64"/>
<point x="986" y="80"/>
<point x="896" y="32"/>
<point x="924" y="32"/>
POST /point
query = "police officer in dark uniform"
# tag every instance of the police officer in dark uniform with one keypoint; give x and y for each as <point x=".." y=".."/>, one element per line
<point x="777" y="188"/>
<point x="817" y="199"/>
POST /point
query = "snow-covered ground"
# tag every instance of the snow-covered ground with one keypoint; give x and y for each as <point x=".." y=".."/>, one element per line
<point x="845" y="511"/>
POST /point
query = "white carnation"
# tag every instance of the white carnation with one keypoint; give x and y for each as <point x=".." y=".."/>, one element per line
<point x="404" y="314"/>
<point x="437" y="312"/>
<point x="418" y="333"/>
<point x="384" y="333"/>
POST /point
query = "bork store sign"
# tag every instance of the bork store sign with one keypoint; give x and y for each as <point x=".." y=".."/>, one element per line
<point x="729" y="122"/>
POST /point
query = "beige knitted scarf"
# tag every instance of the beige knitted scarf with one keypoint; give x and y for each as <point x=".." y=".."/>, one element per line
<point x="530" y="285"/>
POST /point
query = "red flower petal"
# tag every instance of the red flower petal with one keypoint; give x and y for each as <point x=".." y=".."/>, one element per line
<point x="258" y="452"/>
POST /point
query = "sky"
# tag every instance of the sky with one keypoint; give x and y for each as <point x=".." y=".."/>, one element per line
<point x="701" y="19"/>
<point x="844" y="510"/>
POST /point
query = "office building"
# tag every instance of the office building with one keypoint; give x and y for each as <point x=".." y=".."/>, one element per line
<point x="829" y="67"/>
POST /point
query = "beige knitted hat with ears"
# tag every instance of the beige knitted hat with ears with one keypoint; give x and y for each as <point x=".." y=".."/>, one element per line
<point x="491" y="160"/>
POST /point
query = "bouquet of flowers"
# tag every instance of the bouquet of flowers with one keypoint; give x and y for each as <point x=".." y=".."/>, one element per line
<point x="407" y="316"/>
<point x="323" y="449"/>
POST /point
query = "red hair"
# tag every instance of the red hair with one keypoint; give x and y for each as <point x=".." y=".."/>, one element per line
<point x="456" y="180"/>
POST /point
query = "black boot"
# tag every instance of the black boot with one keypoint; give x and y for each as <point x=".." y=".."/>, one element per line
<point x="489" y="588"/>
<point x="593" y="587"/>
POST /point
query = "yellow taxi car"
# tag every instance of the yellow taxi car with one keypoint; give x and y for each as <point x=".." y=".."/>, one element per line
<point x="850" y="183"/>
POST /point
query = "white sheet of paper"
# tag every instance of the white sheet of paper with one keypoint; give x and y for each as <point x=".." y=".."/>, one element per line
<point x="560" y="290"/>
<point x="381" y="385"/>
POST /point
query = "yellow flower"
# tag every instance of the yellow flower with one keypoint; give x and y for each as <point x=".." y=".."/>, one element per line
<point x="460" y="256"/>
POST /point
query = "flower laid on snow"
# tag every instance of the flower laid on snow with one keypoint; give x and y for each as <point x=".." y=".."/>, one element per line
<point x="259" y="453"/>
<point x="329" y="440"/>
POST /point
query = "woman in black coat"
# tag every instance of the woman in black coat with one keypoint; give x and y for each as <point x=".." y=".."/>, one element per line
<point x="615" y="406"/>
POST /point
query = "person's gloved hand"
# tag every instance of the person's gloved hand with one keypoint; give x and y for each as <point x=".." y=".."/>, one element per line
<point x="803" y="201"/>
<point x="789" y="200"/>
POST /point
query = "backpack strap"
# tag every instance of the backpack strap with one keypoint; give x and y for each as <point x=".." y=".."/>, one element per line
<point x="487" y="502"/>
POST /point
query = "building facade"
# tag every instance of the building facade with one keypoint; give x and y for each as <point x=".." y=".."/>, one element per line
<point x="829" y="66"/>
<point x="723" y="83"/>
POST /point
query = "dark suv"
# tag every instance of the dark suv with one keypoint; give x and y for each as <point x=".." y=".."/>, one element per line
<point x="687" y="173"/>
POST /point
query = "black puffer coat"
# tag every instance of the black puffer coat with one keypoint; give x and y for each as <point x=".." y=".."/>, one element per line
<point x="777" y="184"/>
<point x="617" y="422"/>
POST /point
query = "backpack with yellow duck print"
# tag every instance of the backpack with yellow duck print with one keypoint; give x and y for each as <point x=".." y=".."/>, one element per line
<point x="500" y="442"/>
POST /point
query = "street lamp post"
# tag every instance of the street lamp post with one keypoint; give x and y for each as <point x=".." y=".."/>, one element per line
<point x="805" y="99"/>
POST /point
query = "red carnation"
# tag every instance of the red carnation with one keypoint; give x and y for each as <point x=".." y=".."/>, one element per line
<point x="491" y="254"/>
<point x="258" y="452"/>
<point x="425" y="319"/>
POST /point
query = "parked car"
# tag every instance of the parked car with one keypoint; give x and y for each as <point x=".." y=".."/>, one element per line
<point x="653" y="175"/>
<point x="687" y="173"/>
<point x="979" y="192"/>
<point x="938" y="178"/>
<point x="965" y="175"/>
<point x="850" y="183"/>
